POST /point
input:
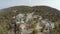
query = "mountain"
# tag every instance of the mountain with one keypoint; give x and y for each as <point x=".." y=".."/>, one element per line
<point x="45" y="11"/>
<point x="6" y="20"/>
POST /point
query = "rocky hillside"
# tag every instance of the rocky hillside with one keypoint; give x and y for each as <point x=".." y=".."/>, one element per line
<point x="7" y="14"/>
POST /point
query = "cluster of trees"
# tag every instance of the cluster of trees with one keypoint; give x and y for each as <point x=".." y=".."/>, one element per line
<point x="6" y="20"/>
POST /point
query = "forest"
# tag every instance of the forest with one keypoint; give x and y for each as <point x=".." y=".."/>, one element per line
<point x="7" y="24"/>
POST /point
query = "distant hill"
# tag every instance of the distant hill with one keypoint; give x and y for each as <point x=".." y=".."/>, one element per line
<point x="46" y="12"/>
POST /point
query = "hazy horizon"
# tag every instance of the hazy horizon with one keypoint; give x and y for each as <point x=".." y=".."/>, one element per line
<point x="10" y="3"/>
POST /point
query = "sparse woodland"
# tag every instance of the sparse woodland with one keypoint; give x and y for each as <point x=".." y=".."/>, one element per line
<point x="7" y="22"/>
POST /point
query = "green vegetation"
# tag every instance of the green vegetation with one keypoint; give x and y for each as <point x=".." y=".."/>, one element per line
<point x="7" y="23"/>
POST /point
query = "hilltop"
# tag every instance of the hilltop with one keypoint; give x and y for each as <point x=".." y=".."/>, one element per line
<point x="6" y="14"/>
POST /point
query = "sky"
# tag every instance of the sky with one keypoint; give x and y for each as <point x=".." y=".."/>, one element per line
<point x="10" y="3"/>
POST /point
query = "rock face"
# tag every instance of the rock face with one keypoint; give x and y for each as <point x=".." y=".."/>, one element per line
<point x="34" y="23"/>
<point x="30" y="20"/>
